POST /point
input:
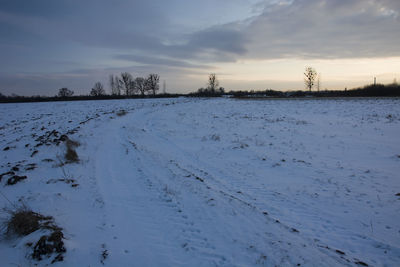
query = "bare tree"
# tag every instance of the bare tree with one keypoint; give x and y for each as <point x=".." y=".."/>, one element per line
<point x="212" y="82"/>
<point x="65" y="92"/>
<point x="119" y="85"/>
<point x="115" y="85"/>
<point x="97" y="90"/>
<point x="128" y="83"/>
<point x="318" y="81"/>
<point x="140" y="84"/>
<point x="310" y="76"/>
<point x="152" y="83"/>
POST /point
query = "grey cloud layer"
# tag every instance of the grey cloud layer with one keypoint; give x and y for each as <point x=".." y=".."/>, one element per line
<point x="299" y="28"/>
<point x="326" y="29"/>
<point x="151" y="34"/>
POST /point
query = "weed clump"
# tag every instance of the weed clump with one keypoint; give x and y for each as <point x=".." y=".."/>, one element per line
<point x="24" y="221"/>
<point x="70" y="154"/>
<point x="121" y="113"/>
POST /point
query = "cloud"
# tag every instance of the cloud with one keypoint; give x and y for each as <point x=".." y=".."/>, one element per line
<point x="159" y="61"/>
<point x="171" y="37"/>
<point x="297" y="28"/>
<point x="325" y="29"/>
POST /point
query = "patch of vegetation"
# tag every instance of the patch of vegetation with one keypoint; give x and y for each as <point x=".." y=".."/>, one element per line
<point x="121" y="113"/>
<point x="71" y="155"/>
<point x="104" y="254"/>
<point x="24" y="221"/>
<point x="361" y="263"/>
<point x="64" y="180"/>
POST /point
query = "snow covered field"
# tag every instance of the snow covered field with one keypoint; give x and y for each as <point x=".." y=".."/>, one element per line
<point x="208" y="182"/>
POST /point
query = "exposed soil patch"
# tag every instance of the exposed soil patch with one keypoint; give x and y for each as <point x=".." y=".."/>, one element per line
<point x="121" y="113"/>
<point x="15" y="179"/>
<point x="72" y="182"/>
<point x="49" y="244"/>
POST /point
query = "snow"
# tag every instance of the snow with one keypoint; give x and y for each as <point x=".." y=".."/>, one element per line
<point x="210" y="182"/>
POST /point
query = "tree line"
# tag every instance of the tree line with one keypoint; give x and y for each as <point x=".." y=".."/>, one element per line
<point x="127" y="85"/>
<point x="124" y="84"/>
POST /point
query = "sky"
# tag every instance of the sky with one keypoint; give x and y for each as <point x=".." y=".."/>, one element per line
<point x="249" y="44"/>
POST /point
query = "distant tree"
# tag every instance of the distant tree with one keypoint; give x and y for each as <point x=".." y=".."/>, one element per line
<point x="2" y="96"/>
<point x="112" y="84"/>
<point x="310" y="76"/>
<point x="212" y="82"/>
<point x="152" y="83"/>
<point x="318" y="81"/>
<point x="65" y="92"/>
<point x="97" y="90"/>
<point x="115" y="85"/>
<point x="140" y="84"/>
<point x="119" y="85"/>
<point x="128" y="83"/>
<point x="201" y="90"/>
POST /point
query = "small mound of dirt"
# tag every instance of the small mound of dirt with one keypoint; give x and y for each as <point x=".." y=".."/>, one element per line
<point x="49" y="244"/>
<point x="15" y="179"/>
<point x="121" y="113"/>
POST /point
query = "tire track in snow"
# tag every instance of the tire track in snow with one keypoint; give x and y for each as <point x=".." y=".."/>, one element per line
<point x="198" y="194"/>
<point x="142" y="220"/>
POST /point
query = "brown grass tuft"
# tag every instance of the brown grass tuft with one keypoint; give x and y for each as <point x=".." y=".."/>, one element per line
<point x="24" y="221"/>
<point x="70" y="154"/>
<point x="122" y="112"/>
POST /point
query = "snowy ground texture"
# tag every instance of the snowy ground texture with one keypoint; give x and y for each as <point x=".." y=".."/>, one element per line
<point x="200" y="182"/>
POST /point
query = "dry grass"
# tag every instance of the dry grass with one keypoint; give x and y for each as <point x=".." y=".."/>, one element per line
<point x="24" y="221"/>
<point x="121" y="113"/>
<point x="70" y="154"/>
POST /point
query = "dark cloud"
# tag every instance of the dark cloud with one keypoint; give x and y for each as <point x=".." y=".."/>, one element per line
<point x="158" y="61"/>
<point x="221" y="39"/>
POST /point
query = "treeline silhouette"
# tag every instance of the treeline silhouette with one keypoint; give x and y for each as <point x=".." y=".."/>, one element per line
<point x="378" y="90"/>
<point x="21" y="99"/>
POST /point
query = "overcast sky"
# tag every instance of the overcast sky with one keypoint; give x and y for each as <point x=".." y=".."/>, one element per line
<point x="249" y="44"/>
